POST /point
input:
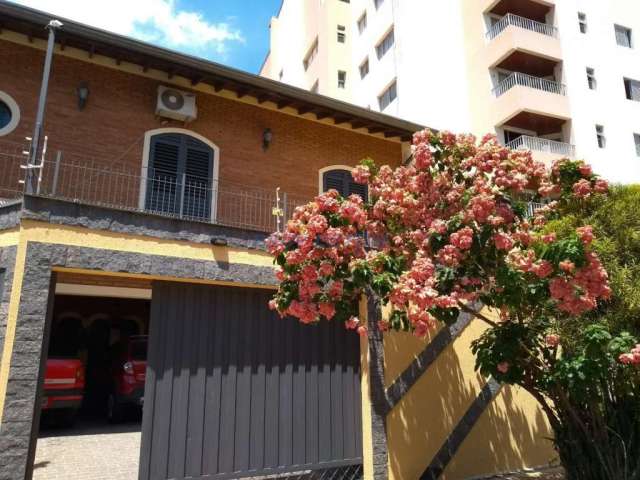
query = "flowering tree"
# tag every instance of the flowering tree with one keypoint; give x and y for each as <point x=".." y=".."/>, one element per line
<point x="453" y="229"/>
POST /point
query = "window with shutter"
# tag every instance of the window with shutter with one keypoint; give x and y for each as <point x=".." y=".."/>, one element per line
<point x="179" y="179"/>
<point x="342" y="181"/>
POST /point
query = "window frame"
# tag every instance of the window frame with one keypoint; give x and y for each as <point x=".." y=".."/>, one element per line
<point x="310" y="56"/>
<point x="330" y="168"/>
<point x="631" y="85"/>
<point x="14" y="110"/>
<point x="341" y="34"/>
<point x="342" y="82"/>
<point x="583" y="26"/>
<point x="146" y="156"/>
<point x="601" y="137"/>
<point x="592" y="81"/>
<point x="628" y="35"/>
<point x="364" y="68"/>
<point x="362" y="22"/>
<point x="386" y="44"/>
<point x="387" y="93"/>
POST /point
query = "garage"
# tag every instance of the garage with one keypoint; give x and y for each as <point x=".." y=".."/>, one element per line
<point x="230" y="389"/>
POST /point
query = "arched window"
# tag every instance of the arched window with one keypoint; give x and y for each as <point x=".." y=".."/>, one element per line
<point x="340" y="179"/>
<point x="180" y="176"/>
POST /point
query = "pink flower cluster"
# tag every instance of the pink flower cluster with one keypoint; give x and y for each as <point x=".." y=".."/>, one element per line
<point x="450" y="217"/>
<point x="578" y="292"/>
<point x="631" y="358"/>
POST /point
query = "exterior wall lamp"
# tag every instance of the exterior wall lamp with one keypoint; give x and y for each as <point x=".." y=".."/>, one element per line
<point x="267" y="137"/>
<point x="83" y="95"/>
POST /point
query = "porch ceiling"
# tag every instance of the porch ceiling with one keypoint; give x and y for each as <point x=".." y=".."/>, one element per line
<point x="524" y="8"/>
<point x="541" y="124"/>
<point x="524" y="62"/>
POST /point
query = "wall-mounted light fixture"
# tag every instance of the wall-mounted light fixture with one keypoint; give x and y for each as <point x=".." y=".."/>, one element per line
<point x="83" y="94"/>
<point x="267" y="137"/>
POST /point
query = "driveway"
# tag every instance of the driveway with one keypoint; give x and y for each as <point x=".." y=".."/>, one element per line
<point x="93" y="450"/>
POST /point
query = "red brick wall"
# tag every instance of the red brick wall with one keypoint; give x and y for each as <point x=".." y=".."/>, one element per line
<point x="121" y="109"/>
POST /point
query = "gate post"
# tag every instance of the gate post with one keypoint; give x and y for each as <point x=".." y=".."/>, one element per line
<point x="375" y="453"/>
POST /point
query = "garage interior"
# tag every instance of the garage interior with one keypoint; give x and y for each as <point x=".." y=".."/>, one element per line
<point x="93" y="318"/>
<point x="231" y="390"/>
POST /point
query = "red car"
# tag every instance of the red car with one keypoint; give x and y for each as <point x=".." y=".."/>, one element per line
<point x="129" y="366"/>
<point x="63" y="387"/>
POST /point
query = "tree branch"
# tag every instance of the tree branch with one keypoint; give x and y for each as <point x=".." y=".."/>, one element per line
<point x="476" y="314"/>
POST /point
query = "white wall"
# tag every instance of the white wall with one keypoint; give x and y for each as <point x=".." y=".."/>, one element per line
<point x="608" y="105"/>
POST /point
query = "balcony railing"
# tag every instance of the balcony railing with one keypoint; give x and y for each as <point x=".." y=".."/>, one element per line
<point x="520" y="22"/>
<point x="122" y="187"/>
<point x="529" y="81"/>
<point x="538" y="144"/>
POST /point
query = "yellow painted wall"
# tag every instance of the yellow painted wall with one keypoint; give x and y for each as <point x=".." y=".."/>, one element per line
<point x="510" y="435"/>
<point x="32" y="231"/>
<point x="12" y="314"/>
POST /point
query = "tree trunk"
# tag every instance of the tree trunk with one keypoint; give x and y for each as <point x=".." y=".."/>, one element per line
<point x="377" y="391"/>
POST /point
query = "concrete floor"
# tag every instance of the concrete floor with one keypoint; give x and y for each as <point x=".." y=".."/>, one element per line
<point x="91" y="450"/>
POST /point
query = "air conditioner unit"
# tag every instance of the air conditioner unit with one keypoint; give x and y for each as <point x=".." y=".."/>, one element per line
<point x="176" y="104"/>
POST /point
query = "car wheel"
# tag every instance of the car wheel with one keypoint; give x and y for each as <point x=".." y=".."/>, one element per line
<point x="115" y="410"/>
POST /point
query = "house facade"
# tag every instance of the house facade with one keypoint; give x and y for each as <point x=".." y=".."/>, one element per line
<point x="126" y="202"/>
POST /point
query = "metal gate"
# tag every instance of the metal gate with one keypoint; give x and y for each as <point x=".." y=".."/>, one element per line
<point x="234" y="391"/>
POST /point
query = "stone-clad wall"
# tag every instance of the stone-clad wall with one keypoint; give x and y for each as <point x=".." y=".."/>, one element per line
<point x="17" y="431"/>
<point x="7" y="262"/>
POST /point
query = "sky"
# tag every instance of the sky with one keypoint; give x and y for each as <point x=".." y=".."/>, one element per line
<point x="232" y="32"/>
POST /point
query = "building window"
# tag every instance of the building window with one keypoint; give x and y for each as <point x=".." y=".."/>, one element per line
<point x="364" y="68"/>
<point x="342" y="36"/>
<point x="602" y="140"/>
<point x="180" y="176"/>
<point x="636" y="139"/>
<point x="341" y="180"/>
<point x="388" y="96"/>
<point x="582" y="22"/>
<point x="342" y="79"/>
<point x="281" y="74"/>
<point x="346" y="1"/>
<point x="9" y="114"/>
<point x="385" y="45"/>
<point x="632" y="89"/>
<point x="623" y="36"/>
<point x="315" y="87"/>
<point x="591" y="79"/>
<point x="311" y="54"/>
<point x="362" y="23"/>
<point x="378" y="3"/>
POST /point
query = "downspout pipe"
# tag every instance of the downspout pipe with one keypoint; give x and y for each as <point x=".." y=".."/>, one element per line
<point x="42" y="101"/>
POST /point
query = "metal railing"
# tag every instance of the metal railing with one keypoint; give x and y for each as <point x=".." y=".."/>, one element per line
<point x="12" y="156"/>
<point x="538" y="144"/>
<point x="123" y="187"/>
<point x="521" y="22"/>
<point x="533" y="207"/>
<point x="529" y="81"/>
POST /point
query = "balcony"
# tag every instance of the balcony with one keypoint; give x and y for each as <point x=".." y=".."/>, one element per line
<point x="545" y="150"/>
<point x="122" y="187"/>
<point x="511" y="20"/>
<point x="533" y="103"/>
<point x="515" y="34"/>
<point x="528" y="81"/>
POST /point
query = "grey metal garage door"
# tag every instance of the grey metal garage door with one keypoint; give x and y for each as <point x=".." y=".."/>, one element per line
<point x="233" y="390"/>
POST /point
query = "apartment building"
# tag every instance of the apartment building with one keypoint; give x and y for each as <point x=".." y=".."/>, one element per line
<point x="311" y="47"/>
<point x="561" y="78"/>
